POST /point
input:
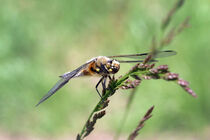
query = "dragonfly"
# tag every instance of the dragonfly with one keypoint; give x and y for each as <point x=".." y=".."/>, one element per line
<point x="102" y="66"/>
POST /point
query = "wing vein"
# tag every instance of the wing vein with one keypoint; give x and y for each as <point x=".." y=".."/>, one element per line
<point x="64" y="79"/>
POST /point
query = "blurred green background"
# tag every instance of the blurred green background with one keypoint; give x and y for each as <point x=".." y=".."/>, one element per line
<point x="39" y="40"/>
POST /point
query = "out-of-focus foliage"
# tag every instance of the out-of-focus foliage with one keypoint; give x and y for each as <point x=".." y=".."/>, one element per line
<point x="39" y="40"/>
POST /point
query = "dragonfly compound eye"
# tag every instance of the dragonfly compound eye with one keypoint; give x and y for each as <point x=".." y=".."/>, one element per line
<point x="115" y="67"/>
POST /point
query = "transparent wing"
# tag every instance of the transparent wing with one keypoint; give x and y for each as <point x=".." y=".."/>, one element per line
<point x="64" y="79"/>
<point x="134" y="61"/>
<point x="69" y="75"/>
<point x="144" y="55"/>
<point x="56" y="87"/>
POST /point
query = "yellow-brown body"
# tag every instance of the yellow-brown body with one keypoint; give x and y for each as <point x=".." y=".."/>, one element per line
<point x="101" y="66"/>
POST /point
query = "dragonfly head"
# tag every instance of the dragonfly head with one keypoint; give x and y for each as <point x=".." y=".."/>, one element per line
<point x="113" y="66"/>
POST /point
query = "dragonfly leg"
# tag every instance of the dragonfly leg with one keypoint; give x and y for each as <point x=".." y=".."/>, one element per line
<point x="98" y="85"/>
<point x="104" y="85"/>
<point x="110" y="77"/>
